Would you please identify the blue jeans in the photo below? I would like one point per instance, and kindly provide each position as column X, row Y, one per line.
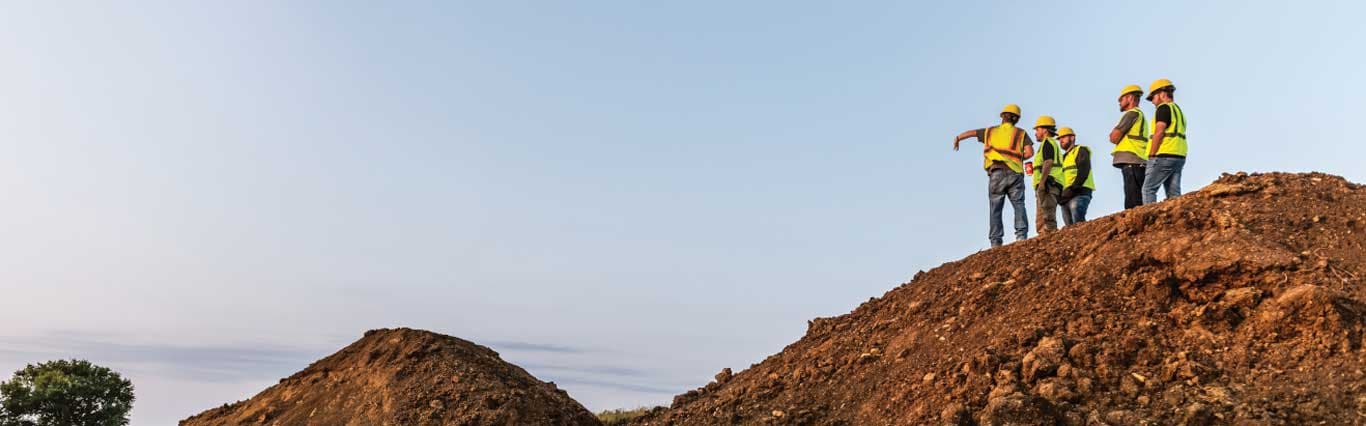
column 1074, row 209
column 1003, row 183
column 1164, row 172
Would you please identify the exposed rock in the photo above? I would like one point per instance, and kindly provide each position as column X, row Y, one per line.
column 1018, row 410
column 1044, row 360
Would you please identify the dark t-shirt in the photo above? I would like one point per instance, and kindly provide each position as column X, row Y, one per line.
column 1163, row 115
column 1048, row 154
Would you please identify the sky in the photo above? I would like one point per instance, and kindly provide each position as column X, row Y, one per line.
column 622, row 197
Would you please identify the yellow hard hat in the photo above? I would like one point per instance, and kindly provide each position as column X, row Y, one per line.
column 1045, row 121
column 1132, row 88
column 1012, row 108
column 1065, row 131
column 1160, row 84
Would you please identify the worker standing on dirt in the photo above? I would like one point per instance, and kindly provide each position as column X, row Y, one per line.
column 1047, row 171
column 1167, row 152
column 1004, row 149
column 1077, row 180
column 1130, row 137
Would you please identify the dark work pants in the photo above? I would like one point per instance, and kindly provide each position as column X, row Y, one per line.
column 1133, row 184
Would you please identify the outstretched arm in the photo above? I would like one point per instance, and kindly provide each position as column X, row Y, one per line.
column 965, row 135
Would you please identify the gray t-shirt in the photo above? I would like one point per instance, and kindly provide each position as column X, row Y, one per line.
column 1125, row 123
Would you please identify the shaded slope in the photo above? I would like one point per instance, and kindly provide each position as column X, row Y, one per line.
column 406, row 377
column 1240, row 303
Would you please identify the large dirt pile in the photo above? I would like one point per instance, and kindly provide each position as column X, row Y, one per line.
column 406, row 377
column 1243, row 303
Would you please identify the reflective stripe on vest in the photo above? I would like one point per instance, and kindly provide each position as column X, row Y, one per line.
column 1056, row 171
column 1135, row 140
column 1004, row 143
column 1069, row 169
column 1174, row 139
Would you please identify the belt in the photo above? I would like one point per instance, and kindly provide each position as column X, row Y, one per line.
column 1179, row 135
column 1138, row 138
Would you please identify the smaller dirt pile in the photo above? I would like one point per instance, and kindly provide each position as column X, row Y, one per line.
column 406, row 377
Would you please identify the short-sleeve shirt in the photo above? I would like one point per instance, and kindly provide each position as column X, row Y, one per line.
column 1163, row 114
column 1125, row 123
column 982, row 136
column 1048, row 154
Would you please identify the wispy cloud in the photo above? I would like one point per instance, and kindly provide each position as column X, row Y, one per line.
column 200, row 363
column 615, row 385
column 516, row 346
column 572, row 366
column 588, row 370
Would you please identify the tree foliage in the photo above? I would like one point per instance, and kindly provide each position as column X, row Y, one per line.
column 65, row 393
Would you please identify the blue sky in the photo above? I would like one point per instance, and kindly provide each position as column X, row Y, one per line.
column 623, row 197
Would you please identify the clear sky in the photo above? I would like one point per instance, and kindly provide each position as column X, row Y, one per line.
column 623, row 197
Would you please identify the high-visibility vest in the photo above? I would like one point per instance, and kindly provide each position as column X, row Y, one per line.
column 1069, row 169
column 1056, row 171
column 1135, row 140
column 1004, row 143
column 1174, row 141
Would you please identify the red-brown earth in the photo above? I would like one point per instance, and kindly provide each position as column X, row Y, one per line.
column 1242, row 303
column 406, row 377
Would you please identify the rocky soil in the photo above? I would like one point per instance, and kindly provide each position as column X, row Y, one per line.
column 1242, row 303
column 406, row 377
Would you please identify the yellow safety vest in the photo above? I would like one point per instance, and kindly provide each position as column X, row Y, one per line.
column 1069, row 169
column 1056, row 171
column 1174, row 141
column 1004, row 143
column 1135, row 140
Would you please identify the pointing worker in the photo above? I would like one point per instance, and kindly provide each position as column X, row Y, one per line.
column 1167, row 152
column 1047, row 171
column 1130, row 137
column 1077, row 180
column 1004, row 148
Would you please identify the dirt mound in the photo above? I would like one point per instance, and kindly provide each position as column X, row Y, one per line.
column 1238, row 304
column 406, row 377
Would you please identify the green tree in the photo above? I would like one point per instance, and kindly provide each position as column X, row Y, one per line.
column 65, row 393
